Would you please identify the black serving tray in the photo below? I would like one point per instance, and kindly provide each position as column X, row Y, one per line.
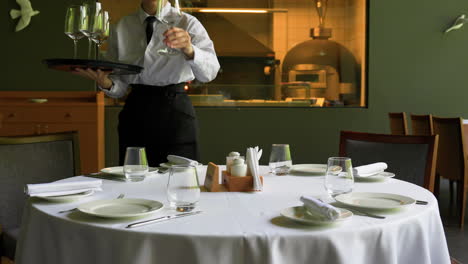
column 72, row 64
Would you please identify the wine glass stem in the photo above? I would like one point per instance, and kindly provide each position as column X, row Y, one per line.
column 75, row 48
column 90, row 47
column 98, row 51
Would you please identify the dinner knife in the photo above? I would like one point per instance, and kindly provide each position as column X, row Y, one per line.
column 161, row 219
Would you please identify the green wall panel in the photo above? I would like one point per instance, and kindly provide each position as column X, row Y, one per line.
column 24, row 51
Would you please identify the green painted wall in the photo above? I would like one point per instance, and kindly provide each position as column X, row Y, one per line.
column 413, row 67
column 24, row 51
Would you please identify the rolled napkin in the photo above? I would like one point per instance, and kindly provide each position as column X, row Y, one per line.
column 179, row 160
column 62, row 188
column 370, row 169
column 320, row 209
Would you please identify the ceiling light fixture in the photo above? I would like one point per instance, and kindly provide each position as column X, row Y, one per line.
column 236, row 10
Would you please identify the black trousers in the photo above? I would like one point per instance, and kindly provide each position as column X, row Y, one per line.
column 161, row 119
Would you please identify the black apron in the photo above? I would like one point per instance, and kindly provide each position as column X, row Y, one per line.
column 161, row 119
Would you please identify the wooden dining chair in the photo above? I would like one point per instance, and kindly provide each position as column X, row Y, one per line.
column 25, row 160
column 452, row 162
column 411, row 158
column 398, row 124
column 421, row 125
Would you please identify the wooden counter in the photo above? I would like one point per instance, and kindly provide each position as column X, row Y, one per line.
column 35, row 113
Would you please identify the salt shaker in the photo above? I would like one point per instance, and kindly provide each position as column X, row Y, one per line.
column 238, row 168
column 233, row 155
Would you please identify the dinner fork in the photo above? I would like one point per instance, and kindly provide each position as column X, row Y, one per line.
column 73, row 209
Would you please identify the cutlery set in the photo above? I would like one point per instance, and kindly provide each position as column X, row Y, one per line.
column 161, row 219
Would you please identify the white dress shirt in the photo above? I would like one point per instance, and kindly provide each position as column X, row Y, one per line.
column 127, row 44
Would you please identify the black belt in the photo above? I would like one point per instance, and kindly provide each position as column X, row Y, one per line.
column 168, row 90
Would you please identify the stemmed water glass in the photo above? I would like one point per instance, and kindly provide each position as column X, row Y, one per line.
column 72, row 26
column 89, row 15
column 100, row 29
column 168, row 23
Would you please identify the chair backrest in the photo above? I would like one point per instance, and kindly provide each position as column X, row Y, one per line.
column 411, row 158
column 33, row 159
column 421, row 125
column 398, row 124
column 452, row 154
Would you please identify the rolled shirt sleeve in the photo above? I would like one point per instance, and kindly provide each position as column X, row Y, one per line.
column 205, row 65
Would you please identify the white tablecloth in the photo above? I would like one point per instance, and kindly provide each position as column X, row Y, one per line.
column 234, row 228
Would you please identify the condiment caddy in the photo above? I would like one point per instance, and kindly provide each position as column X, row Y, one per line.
column 237, row 176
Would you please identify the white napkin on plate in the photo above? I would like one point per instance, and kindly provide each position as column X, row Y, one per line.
column 370, row 169
column 321, row 209
column 62, row 188
column 179, row 160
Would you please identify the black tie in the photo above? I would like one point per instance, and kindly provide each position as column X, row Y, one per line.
column 149, row 28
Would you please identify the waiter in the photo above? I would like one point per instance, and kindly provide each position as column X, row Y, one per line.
column 158, row 114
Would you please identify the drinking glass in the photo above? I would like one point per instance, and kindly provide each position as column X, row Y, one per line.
column 72, row 26
column 339, row 178
column 183, row 190
column 89, row 15
column 135, row 164
column 100, row 29
column 280, row 159
column 169, row 22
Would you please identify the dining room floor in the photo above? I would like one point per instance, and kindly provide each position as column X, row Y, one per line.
column 457, row 239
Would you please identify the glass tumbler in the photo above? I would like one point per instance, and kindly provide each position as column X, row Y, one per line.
column 339, row 178
column 280, row 159
column 135, row 164
column 183, row 190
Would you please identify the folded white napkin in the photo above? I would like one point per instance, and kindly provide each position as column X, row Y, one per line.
column 370, row 169
column 320, row 209
column 179, row 160
column 62, row 188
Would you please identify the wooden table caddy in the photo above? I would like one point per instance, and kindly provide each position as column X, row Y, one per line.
column 229, row 183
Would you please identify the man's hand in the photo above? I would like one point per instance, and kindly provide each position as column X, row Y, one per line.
column 101, row 78
column 178, row 38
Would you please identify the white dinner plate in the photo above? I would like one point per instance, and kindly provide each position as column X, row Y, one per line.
column 379, row 201
column 312, row 169
column 68, row 197
column 121, row 208
column 381, row 176
column 119, row 170
column 299, row 214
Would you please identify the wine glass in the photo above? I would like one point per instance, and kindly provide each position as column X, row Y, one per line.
column 339, row 178
column 100, row 29
column 72, row 26
column 135, row 164
column 183, row 190
column 89, row 14
column 169, row 23
column 280, row 159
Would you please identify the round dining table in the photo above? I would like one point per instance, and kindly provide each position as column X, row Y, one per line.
column 234, row 227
